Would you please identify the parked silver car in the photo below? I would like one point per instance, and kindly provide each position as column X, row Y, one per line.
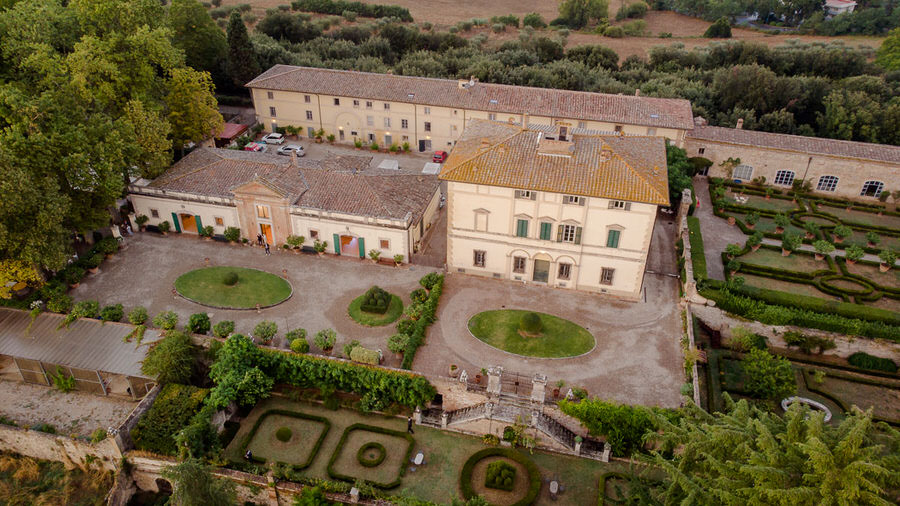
column 286, row 150
column 273, row 138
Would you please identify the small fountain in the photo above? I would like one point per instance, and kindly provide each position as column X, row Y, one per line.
column 786, row 403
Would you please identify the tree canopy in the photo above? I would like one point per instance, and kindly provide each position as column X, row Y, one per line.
column 85, row 103
column 194, row 485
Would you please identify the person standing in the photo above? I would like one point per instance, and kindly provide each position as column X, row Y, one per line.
column 409, row 423
column 259, row 240
column 267, row 249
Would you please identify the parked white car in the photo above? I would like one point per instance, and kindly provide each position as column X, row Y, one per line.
column 273, row 138
column 286, row 150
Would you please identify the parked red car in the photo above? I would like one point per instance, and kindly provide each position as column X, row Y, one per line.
column 439, row 157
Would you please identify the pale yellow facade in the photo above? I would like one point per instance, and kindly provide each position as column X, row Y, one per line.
column 573, row 246
column 425, row 128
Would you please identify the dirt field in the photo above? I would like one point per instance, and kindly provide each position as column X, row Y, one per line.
column 684, row 29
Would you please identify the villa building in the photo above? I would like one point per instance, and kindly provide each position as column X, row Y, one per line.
column 431, row 114
column 856, row 170
column 541, row 205
column 340, row 200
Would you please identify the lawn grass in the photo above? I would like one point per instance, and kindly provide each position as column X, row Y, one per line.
column 872, row 219
column 445, row 453
column 794, row 262
column 755, row 202
column 767, row 225
column 394, row 310
column 559, row 338
column 388, row 471
column 885, row 402
column 296, row 451
column 859, row 238
column 784, row 286
column 889, row 279
column 207, row 286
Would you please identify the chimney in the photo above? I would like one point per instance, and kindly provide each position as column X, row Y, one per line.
column 637, row 92
column 740, row 124
column 525, row 120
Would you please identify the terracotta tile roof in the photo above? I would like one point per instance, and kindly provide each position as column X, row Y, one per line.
column 810, row 145
column 338, row 183
column 579, row 105
column 618, row 167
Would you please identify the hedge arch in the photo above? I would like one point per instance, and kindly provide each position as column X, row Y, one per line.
column 534, row 474
column 373, row 462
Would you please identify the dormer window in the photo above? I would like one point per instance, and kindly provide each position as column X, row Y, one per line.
column 526, row 194
column 620, row 204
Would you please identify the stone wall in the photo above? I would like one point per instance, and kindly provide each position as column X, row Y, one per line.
column 73, row 453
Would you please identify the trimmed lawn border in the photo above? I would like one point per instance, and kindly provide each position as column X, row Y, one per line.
column 602, row 499
column 293, row 414
column 698, row 257
column 394, row 311
column 235, row 268
column 365, row 462
column 497, row 332
column 534, row 474
column 379, row 430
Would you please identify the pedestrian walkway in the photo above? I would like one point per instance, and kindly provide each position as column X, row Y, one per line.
column 717, row 233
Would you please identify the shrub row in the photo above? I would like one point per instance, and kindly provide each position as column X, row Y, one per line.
column 171, row 411
column 534, row 475
column 366, row 462
column 361, row 9
column 379, row 430
column 434, row 283
column 698, row 258
column 293, row 414
column 865, row 361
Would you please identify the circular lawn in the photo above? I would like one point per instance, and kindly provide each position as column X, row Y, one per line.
column 211, row 286
column 557, row 337
column 394, row 310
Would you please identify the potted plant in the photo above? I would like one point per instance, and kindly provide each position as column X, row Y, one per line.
column 751, row 220
column 73, row 275
column 325, row 340
column 754, row 241
column 373, row 146
column 295, row 242
column 454, row 370
column 93, row 262
column 769, row 192
column 397, row 343
column 733, row 250
column 320, row 247
column 812, row 229
column 883, row 198
column 872, row 239
column 164, row 228
column 822, row 248
column 841, row 232
column 731, row 220
column 888, row 257
column 398, row 259
column 405, row 147
column 374, row 254
column 781, row 222
column 244, row 241
column 319, row 134
column 732, row 267
column 265, row 331
column 789, row 242
column 853, row 253
column 208, row 232
column 358, row 144
column 559, row 385
column 330, row 138
column 141, row 221
column 720, row 204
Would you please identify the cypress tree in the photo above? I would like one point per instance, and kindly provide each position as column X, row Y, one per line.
column 242, row 65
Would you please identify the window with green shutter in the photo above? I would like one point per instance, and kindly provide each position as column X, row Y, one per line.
column 546, row 230
column 522, row 228
column 612, row 239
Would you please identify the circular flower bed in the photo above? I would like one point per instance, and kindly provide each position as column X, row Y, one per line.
column 534, row 475
column 233, row 287
column 371, row 454
column 531, row 334
column 284, row 434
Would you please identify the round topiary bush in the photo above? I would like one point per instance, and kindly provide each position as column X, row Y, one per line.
column 284, row 434
column 534, row 474
column 531, row 323
column 231, row 278
column 371, row 454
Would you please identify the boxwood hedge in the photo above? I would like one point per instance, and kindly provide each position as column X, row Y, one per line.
column 293, row 414
column 380, row 430
column 865, row 361
column 698, row 258
column 534, row 475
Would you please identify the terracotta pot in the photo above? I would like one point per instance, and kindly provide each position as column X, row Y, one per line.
column 838, row 240
column 454, row 371
column 478, row 378
column 555, row 392
column 328, row 351
column 779, row 230
column 883, row 267
column 751, row 226
column 850, row 262
column 785, row 252
column 94, row 270
column 320, row 253
column 731, row 220
column 870, row 244
column 819, row 256
column 74, row 285
column 768, row 197
column 754, row 248
column 165, row 233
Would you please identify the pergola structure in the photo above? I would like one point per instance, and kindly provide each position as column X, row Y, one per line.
column 90, row 351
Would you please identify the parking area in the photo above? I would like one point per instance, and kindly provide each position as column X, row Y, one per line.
column 412, row 160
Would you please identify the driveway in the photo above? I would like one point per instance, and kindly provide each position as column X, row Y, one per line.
column 717, row 233
column 144, row 273
column 637, row 358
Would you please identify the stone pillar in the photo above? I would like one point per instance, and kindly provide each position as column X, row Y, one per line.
column 489, row 410
column 417, row 416
column 683, row 208
column 534, row 418
column 577, row 446
column 445, row 418
column 538, row 388
column 354, row 495
column 464, row 378
column 493, row 386
column 273, row 492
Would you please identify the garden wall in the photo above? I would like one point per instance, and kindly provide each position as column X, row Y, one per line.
column 71, row 452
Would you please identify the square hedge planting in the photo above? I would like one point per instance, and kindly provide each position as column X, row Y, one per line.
column 266, row 420
column 394, row 441
column 500, row 475
column 376, row 300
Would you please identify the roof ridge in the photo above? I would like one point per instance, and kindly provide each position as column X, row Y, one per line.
column 481, row 152
column 290, row 69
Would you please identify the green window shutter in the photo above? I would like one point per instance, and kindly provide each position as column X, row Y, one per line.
column 175, row 223
column 577, row 235
column 362, row 248
column 522, row 228
column 612, row 240
column 337, row 243
column 559, row 233
column 546, row 231
column 199, row 223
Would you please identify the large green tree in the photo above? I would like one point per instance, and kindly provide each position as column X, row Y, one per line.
column 171, row 359
column 747, row 456
column 889, row 52
column 241, row 65
column 195, row 33
column 83, row 106
column 194, row 485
